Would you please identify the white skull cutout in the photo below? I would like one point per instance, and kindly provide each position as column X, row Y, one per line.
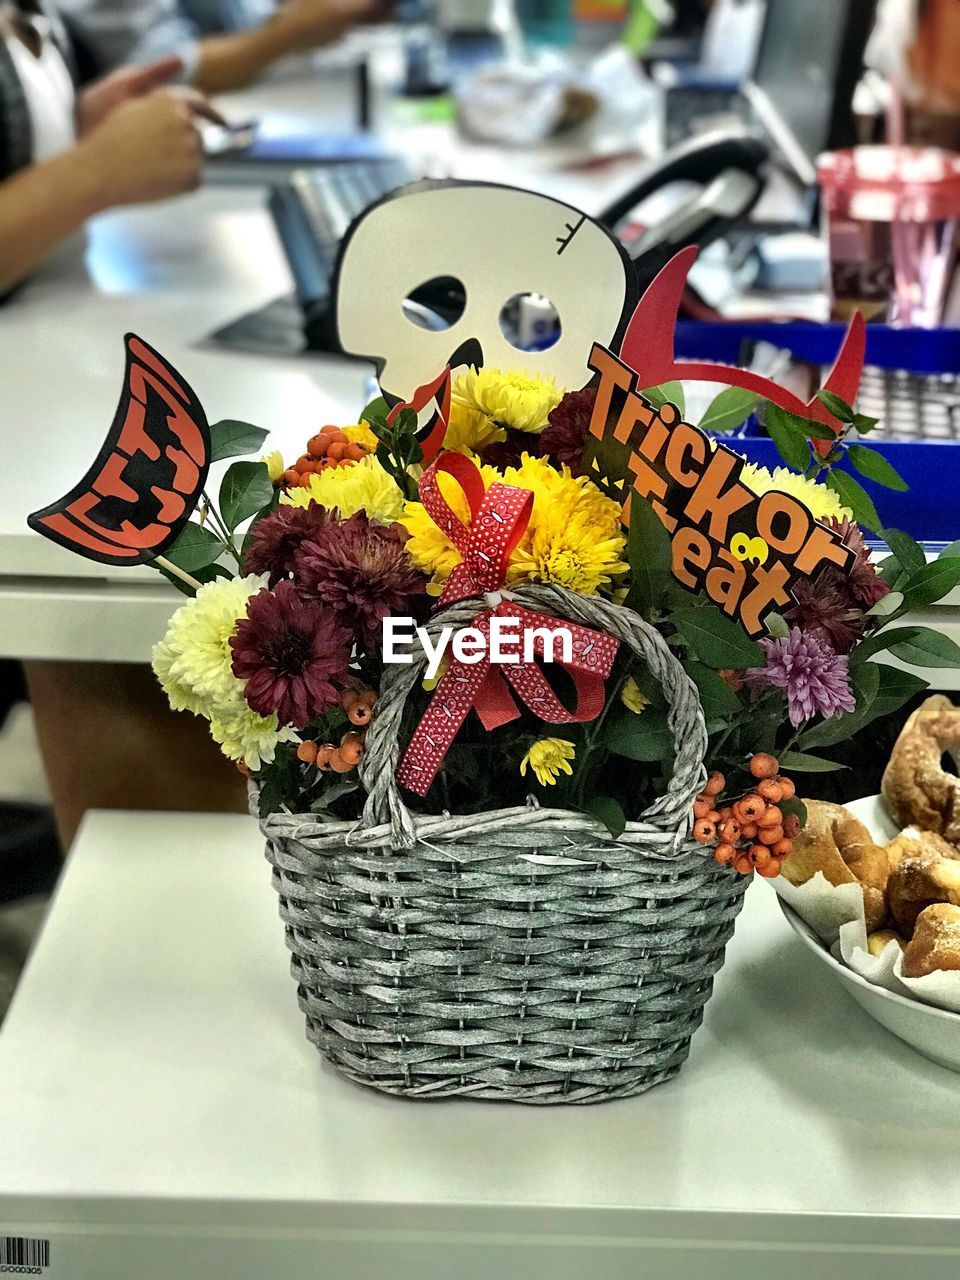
column 499, row 242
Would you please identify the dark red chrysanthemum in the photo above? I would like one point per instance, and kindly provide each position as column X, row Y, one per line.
column 509, row 452
column 362, row 572
column 292, row 654
column 275, row 540
column 865, row 584
column 567, row 427
column 825, row 607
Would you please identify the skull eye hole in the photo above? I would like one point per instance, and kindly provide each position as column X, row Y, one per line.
column 437, row 304
column 530, row 322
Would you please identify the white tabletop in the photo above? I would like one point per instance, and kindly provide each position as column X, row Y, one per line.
column 158, row 1101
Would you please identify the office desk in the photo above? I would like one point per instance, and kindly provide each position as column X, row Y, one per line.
column 171, row 273
column 162, row 1115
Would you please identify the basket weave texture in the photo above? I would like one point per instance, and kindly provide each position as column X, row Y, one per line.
column 520, row 954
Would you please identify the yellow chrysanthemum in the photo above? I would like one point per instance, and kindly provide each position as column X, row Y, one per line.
column 363, row 487
column 470, row 430
column 361, row 434
column 513, row 398
column 633, row 697
column 194, row 656
column 548, row 758
column 821, row 502
column 574, row 538
column 275, row 467
column 428, row 546
column 245, row 735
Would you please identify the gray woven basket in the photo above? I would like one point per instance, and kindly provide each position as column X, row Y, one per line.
column 521, row 954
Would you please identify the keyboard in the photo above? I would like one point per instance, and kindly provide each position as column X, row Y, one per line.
column 312, row 211
column 911, row 406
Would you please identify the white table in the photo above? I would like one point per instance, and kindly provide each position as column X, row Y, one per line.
column 162, row 1115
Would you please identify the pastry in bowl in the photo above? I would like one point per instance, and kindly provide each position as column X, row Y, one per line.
column 838, row 844
column 936, row 941
column 916, row 788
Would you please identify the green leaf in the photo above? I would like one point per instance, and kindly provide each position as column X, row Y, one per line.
column 896, row 688
column 646, row 737
column 717, row 699
column 776, row 625
column 880, row 642
column 909, row 553
column 717, row 640
column 207, row 574
column 926, row 648
column 245, row 489
column 875, row 467
column 794, row 805
column 865, row 682
column 729, row 410
column 668, row 393
column 606, row 810
column 888, row 605
column 194, row 548
column 931, row 583
column 650, row 556
column 800, row 762
column 228, row 438
column 853, row 495
column 863, row 424
column 951, row 549
column 807, row 427
column 839, row 408
column 790, row 440
column 376, row 411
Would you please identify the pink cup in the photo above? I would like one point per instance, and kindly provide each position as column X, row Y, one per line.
column 891, row 217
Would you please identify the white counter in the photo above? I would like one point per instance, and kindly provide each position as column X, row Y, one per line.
column 162, row 1115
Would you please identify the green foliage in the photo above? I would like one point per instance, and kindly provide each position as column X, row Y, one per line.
column 644, row 737
column 875, row 467
column 908, row 553
column 788, row 435
column 649, row 554
column 668, row 393
column 229, row 438
column 206, row 574
column 801, row 762
column 853, row 495
column 839, row 408
column 244, row 491
column 729, row 410
column 717, row 640
column 194, row 548
column 608, row 811
column 931, row 583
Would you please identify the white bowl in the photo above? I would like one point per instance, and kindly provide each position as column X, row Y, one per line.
column 933, row 1032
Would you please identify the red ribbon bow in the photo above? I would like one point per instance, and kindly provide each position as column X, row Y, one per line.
column 499, row 518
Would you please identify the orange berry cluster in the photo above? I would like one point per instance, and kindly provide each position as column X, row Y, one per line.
column 358, row 705
column 752, row 833
column 328, row 448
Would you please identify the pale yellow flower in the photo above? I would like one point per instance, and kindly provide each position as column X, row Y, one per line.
column 513, row 398
column 274, row 464
column 245, row 735
column 548, row 758
column 633, row 697
column 363, row 487
column 821, row 502
column 180, row 696
column 195, row 655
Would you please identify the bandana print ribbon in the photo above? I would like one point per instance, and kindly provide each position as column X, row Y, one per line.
column 499, row 518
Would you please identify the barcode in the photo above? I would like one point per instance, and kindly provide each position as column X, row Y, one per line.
column 18, row 1251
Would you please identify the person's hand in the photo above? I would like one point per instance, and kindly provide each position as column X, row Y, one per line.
column 308, row 23
column 106, row 94
column 148, row 148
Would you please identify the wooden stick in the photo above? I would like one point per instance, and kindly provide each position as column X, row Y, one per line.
column 177, row 572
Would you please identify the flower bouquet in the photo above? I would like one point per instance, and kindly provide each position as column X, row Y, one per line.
column 522, row 667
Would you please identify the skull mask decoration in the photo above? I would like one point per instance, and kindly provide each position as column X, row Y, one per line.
column 497, row 242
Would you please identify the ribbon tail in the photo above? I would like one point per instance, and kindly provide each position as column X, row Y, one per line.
column 495, row 705
column 446, row 712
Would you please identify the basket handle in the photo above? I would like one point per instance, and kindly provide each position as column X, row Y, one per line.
column 685, row 716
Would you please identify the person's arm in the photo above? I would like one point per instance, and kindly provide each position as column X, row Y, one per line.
column 145, row 150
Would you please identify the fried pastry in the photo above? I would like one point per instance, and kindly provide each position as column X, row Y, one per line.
column 838, row 844
column 921, row 882
column 918, row 791
column 936, row 941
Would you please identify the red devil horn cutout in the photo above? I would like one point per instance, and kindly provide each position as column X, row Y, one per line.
column 648, row 347
column 148, row 476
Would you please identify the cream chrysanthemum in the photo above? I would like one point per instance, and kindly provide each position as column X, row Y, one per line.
column 512, row 399
column 195, row 654
column 821, row 502
column 363, row 487
column 548, row 758
column 180, row 696
column 245, row 735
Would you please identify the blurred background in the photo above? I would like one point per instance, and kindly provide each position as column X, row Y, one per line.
column 187, row 169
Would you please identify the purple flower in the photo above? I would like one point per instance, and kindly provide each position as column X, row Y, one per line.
column 804, row 668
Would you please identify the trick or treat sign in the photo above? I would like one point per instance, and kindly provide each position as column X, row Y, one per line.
column 746, row 552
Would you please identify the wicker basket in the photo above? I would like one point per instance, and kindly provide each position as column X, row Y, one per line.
column 521, row 954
